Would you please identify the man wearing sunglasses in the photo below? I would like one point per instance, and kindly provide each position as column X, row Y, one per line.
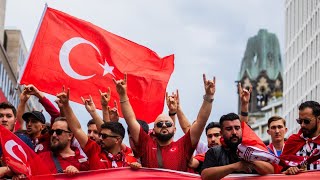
column 35, row 120
column 307, row 139
column 106, row 154
column 162, row 151
column 63, row 158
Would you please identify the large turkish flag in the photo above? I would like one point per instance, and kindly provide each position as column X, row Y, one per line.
column 83, row 57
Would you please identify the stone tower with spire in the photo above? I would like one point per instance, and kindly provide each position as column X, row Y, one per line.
column 261, row 68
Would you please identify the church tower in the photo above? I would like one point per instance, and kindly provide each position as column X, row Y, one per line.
column 261, row 68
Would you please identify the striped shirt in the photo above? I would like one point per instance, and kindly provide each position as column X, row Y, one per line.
column 306, row 150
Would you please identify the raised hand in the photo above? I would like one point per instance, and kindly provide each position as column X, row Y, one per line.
column 121, row 85
column 24, row 96
column 63, row 97
column 113, row 112
column 32, row 90
column 244, row 94
column 105, row 97
column 89, row 104
column 209, row 86
column 172, row 101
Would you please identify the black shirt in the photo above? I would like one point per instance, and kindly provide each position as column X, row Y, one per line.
column 219, row 156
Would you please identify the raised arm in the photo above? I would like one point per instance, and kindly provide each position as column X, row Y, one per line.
column 244, row 96
column 24, row 96
column 46, row 103
column 73, row 122
column 173, row 103
column 91, row 108
column 205, row 110
column 126, row 108
column 104, row 99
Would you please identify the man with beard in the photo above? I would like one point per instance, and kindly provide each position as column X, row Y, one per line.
column 277, row 130
column 63, row 158
column 307, row 139
column 107, row 153
column 162, row 151
column 223, row 160
column 35, row 120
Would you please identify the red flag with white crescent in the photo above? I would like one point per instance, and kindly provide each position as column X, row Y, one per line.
column 19, row 157
column 85, row 58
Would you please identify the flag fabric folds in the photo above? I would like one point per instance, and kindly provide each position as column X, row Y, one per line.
column 19, row 157
column 85, row 58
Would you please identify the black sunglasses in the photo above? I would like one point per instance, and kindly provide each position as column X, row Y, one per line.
column 306, row 121
column 104, row 136
column 160, row 124
column 58, row 131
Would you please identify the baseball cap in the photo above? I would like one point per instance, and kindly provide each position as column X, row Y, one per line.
column 37, row 114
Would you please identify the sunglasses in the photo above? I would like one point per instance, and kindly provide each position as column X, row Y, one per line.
column 160, row 124
column 104, row 136
column 58, row 131
column 306, row 121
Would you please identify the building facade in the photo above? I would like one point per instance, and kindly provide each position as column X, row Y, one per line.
column 302, row 54
column 13, row 53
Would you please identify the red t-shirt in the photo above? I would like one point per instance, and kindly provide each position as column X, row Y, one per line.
column 77, row 161
column 98, row 159
column 175, row 156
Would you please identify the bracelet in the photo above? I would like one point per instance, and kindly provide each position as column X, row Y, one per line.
column 124, row 100
column 208, row 98
column 172, row 114
column 244, row 113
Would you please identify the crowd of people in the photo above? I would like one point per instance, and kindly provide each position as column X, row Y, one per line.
column 67, row 148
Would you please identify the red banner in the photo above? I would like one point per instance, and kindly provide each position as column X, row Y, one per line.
column 160, row 174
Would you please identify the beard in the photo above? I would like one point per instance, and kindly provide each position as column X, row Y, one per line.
column 233, row 145
column 308, row 133
column 164, row 137
column 58, row 147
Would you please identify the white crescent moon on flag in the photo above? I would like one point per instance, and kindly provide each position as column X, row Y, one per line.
column 9, row 145
column 64, row 56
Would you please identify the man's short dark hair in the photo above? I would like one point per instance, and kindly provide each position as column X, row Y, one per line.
column 212, row 125
column 115, row 127
column 64, row 119
column 144, row 126
column 276, row 118
column 315, row 106
column 7, row 105
column 91, row 121
column 228, row 117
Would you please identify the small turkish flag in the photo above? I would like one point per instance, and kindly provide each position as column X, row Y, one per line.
column 83, row 57
column 19, row 157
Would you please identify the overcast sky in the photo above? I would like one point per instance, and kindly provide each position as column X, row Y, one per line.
column 206, row 36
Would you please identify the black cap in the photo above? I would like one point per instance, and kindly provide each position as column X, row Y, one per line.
column 37, row 114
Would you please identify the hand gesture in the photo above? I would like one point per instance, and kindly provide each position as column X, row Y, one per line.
column 89, row 104
column 105, row 97
column 172, row 101
column 63, row 97
column 113, row 112
column 244, row 94
column 121, row 85
column 32, row 90
column 24, row 96
column 71, row 170
column 209, row 85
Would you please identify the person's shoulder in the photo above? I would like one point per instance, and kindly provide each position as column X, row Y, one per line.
column 215, row 150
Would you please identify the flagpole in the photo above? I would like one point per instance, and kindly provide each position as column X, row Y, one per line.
column 32, row 44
